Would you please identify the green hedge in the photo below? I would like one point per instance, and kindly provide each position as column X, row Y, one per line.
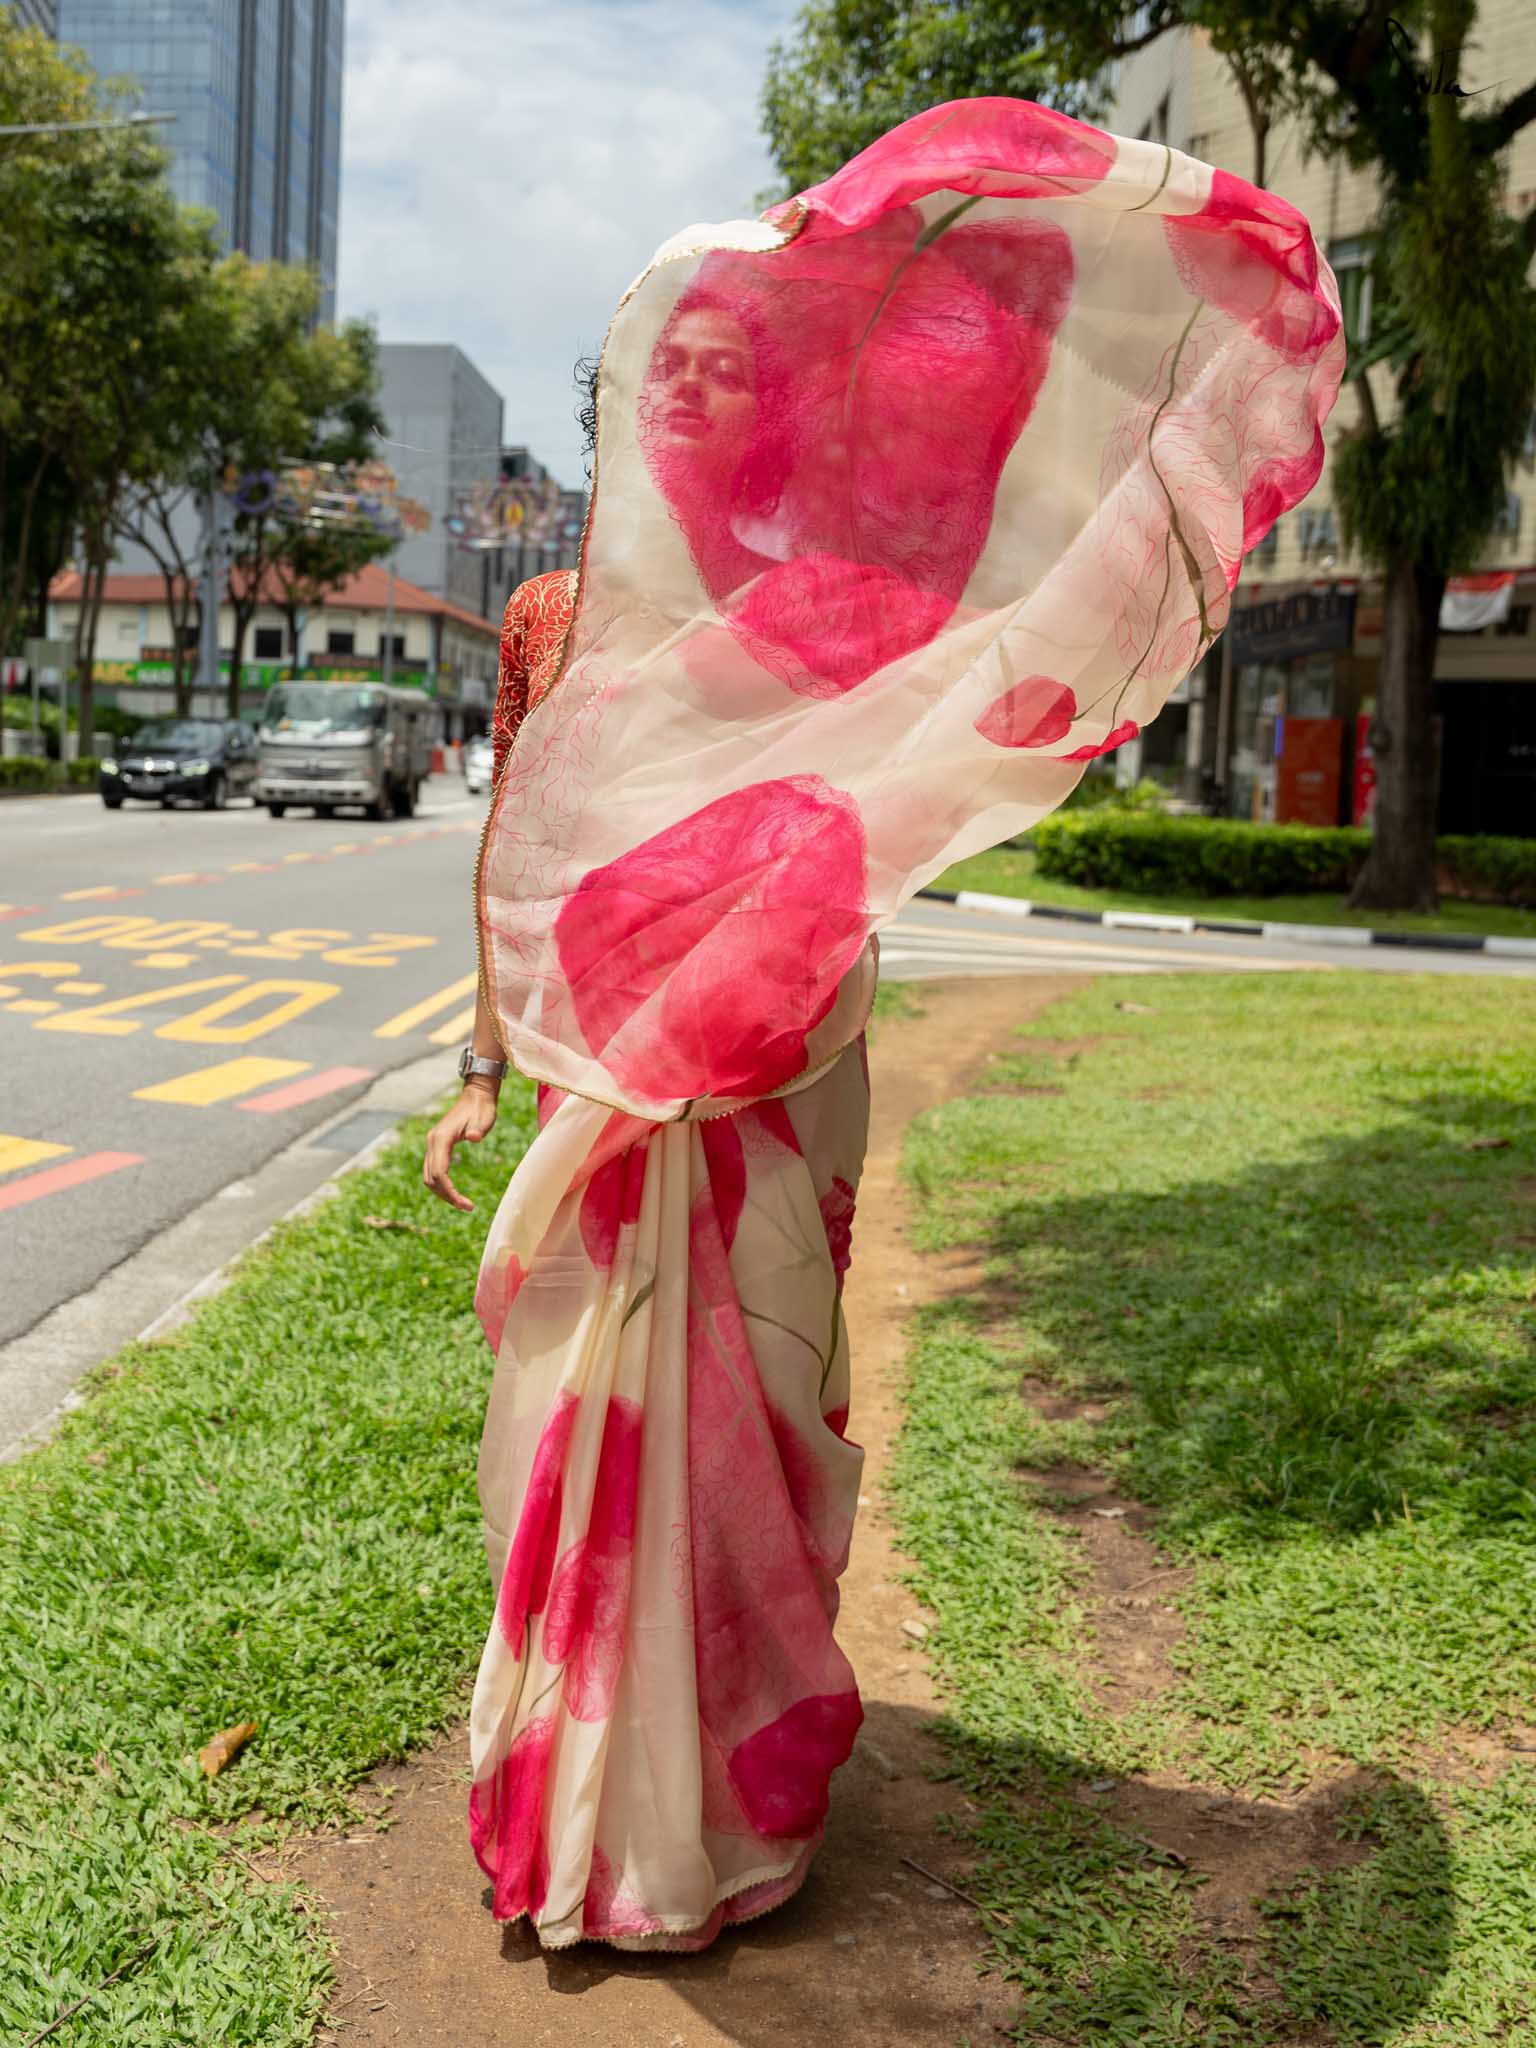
column 1147, row 855
column 31, row 771
column 1152, row 856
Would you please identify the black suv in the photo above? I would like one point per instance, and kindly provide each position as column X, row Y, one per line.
column 206, row 760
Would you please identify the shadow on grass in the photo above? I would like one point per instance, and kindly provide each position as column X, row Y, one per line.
column 1338, row 1340
column 1102, row 1932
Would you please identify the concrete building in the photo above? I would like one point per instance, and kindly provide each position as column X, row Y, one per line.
column 1300, row 655
column 255, row 86
column 444, row 649
column 443, row 442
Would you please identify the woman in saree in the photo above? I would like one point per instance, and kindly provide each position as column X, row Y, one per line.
column 909, row 500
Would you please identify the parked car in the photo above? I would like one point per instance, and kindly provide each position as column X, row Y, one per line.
column 479, row 765
column 329, row 745
column 196, row 760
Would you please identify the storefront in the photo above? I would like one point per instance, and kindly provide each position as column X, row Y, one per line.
column 1290, row 700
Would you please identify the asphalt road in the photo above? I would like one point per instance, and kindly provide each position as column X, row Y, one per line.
column 183, row 994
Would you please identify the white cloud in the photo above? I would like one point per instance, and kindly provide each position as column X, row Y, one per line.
column 507, row 169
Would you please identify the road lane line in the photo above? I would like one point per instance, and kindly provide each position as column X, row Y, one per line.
column 433, row 1006
column 18, row 1152
column 79, row 988
column 253, row 867
column 206, row 1085
column 54, row 1180
column 296, row 1092
column 456, row 1031
column 10, row 910
column 105, row 1020
column 108, row 892
column 33, row 1006
column 188, row 876
column 1091, row 950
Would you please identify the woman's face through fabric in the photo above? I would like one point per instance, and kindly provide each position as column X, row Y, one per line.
column 700, row 400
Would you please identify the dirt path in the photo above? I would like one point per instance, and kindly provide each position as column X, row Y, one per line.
column 871, row 1951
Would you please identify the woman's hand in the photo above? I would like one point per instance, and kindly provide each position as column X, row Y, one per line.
column 470, row 1118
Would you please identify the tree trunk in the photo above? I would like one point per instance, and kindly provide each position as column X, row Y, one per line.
column 1399, row 873
column 92, row 592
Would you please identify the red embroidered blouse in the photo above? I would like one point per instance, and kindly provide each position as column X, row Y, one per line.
column 533, row 631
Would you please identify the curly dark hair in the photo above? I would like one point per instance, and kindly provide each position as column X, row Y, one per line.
column 586, row 409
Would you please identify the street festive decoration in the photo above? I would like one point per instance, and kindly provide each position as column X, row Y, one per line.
column 506, row 511
column 912, row 498
column 328, row 494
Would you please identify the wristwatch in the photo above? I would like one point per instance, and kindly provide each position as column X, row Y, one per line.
column 471, row 1062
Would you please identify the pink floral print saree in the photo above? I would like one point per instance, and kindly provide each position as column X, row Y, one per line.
column 911, row 498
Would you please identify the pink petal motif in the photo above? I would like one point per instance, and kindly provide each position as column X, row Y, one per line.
column 587, row 1623
column 525, row 1582
column 1123, row 732
column 495, row 1292
column 1035, row 713
column 881, row 506
column 727, row 1164
column 668, row 948
column 1252, row 254
column 611, row 1201
column 837, row 1207
column 612, row 1906
column 781, row 1772
column 774, row 1119
column 998, row 148
column 836, row 1420
column 822, row 625
column 506, row 1826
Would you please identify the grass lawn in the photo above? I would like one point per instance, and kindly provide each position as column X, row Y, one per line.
column 270, row 1517
column 1263, row 1255
column 1010, row 871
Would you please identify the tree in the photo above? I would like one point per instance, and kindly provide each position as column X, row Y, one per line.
column 318, row 403
column 1418, row 485
column 99, row 272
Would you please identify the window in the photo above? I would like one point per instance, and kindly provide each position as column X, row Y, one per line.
column 1507, row 525
column 1351, row 261
column 269, row 643
column 394, row 643
column 1266, row 549
column 1318, row 531
column 338, row 642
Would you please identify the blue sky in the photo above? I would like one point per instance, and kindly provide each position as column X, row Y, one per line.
column 508, row 167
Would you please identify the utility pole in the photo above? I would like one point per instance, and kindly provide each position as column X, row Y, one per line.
column 389, row 626
column 213, row 590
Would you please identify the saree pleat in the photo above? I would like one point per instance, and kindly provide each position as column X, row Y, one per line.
column 661, row 1702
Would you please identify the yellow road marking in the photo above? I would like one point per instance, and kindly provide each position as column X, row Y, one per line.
column 80, row 988
column 106, row 1020
column 166, row 960
column 84, row 895
column 19, row 1152
column 217, row 1084
column 206, row 1026
column 189, row 876
column 457, row 1031
column 433, row 1006
column 33, row 1006
column 346, row 846
column 249, row 867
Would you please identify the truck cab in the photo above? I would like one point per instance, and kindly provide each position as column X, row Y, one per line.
column 328, row 746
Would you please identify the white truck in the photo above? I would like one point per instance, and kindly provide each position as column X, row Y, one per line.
column 325, row 746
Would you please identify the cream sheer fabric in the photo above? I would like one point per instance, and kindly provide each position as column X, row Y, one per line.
column 910, row 500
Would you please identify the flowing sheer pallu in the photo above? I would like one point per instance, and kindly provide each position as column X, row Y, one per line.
column 910, row 499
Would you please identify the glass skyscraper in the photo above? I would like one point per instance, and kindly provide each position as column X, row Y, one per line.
column 255, row 86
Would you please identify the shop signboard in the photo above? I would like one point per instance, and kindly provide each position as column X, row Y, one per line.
column 1305, row 622
column 1309, row 760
